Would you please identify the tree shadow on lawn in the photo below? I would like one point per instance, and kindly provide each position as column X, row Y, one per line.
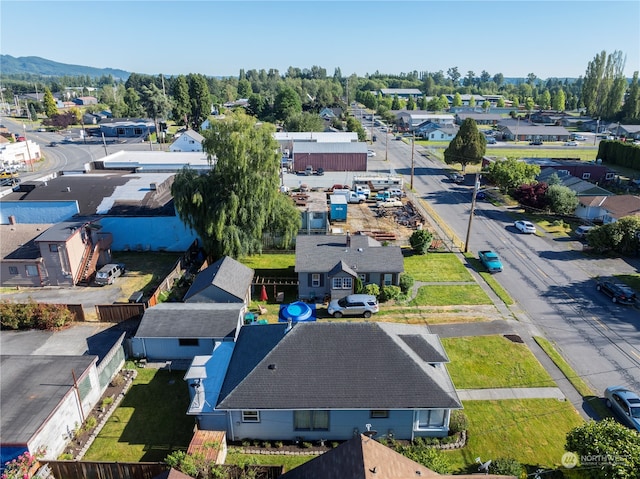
column 159, row 420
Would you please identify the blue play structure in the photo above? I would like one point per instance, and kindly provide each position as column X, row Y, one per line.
column 297, row 312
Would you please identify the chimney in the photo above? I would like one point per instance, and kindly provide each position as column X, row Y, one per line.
column 12, row 220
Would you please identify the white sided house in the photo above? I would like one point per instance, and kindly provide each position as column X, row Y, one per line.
column 190, row 140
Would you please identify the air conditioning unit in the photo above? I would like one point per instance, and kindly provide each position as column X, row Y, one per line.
column 153, row 186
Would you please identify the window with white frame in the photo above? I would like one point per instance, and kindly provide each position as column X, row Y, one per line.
column 388, row 279
column 315, row 280
column 609, row 176
column 311, row 420
column 430, row 418
column 586, row 176
column 31, row 270
column 363, row 277
column 342, row 283
column 250, row 416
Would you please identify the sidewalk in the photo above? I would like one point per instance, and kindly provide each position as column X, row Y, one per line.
column 510, row 393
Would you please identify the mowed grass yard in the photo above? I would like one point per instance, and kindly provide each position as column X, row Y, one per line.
column 151, row 421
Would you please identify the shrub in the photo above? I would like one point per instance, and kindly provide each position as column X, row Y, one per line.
column 406, row 283
column 32, row 315
column 458, row 422
column 389, row 292
column 506, row 466
column 266, row 444
column 279, row 444
column 307, row 445
column 420, row 241
column 373, row 289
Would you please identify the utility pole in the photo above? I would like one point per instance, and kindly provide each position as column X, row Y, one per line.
column 413, row 143
column 471, row 213
column 386, row 145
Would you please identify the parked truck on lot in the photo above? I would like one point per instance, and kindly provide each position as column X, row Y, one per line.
column 351, row 196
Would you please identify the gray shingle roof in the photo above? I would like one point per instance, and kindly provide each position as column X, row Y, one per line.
column 320, row 253
column 336, row 366
column 18, row 241
column 190, row 320
column 227, row 274
column 32, row 387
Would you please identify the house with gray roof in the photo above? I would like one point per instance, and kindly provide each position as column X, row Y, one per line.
column 405, row 93
column 409, row 120
column 479, row 118
column 329, row 265
column 312, row 381
column 435, row 132
column 607, row 209
column 44, row 399
column 524, row 131
column 175, row 331
column 189, row 140
column 225, row 281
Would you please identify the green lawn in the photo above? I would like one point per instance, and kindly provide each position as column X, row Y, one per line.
column 584, row 154
column 276, row 261
column 150, row 422
column 532, row 431
column 442, row 295
column 436, row 267
column 479, row 362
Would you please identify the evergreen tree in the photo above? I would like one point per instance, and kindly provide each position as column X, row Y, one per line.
column 468, row 146
column 200, row 100
column 181, row 101
column 50, row 107
column 631, row 108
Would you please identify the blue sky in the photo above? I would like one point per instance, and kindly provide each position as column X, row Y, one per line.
column 546, row 37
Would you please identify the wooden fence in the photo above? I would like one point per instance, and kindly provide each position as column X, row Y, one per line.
column 147, row 470
column 117, row 313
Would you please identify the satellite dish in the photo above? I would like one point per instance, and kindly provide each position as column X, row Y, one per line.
column 370, row 433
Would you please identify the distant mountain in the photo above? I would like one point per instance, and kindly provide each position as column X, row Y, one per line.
column 40, row 66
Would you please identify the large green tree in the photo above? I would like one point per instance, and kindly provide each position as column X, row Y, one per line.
column 620, row 236
column 304, row 121
column 604, row 84
column 631, row 107
column 468, row 146
column 511, row 173
column 562, row 200
column 613, row 449
column 50, row 107
column 287, row 102
column 200, row 100
column 181, row 101
column 232, row 205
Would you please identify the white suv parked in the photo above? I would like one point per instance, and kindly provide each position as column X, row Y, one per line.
column 354, row 304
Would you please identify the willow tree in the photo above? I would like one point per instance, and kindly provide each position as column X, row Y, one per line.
column 231, row 205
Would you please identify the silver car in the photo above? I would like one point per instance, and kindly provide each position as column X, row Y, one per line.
column 626, row 405
column 354, row 305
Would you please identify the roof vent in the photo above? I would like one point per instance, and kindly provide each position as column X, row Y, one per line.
column 271, row 366
column 68, row 189
column 153, row 186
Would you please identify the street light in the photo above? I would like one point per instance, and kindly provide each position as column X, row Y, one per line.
column 476, row 186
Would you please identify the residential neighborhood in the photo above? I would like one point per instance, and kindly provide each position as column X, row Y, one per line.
column 305, row 277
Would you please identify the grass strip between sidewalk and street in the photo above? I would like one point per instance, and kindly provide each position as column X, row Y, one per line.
column 489, row 279
column 576, row 381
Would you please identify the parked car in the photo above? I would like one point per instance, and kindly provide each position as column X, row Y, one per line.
column 109, row 272
column 456, row 178
column 626, row 405
column 525, row 226
column 490, row 260
column 571, row 143
column 371, row 153
column 581, row 231
column 491, row 140
column 579, row 138
column 619, row 293
column 396, row 193
column 354, row 305
column 53, row 143
column 389, row 203
column 536, row 142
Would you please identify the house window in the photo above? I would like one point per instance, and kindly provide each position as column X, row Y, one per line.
column 13, row 270
column 31, row 270
column 137, row 131
column 363, row 277
column 379, row 414
column 250, row 416
column 430, row 418
column 586, row 176
column 315, row 280
column 342, row 283
column 311, row 420
column 188, row 342
column 53, row 248
column 388, row 278
column 120, row 131
column 609, row 176
column 317, row 215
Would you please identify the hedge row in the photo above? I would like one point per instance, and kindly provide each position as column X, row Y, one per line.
column 620, row 153
column 32, row 315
